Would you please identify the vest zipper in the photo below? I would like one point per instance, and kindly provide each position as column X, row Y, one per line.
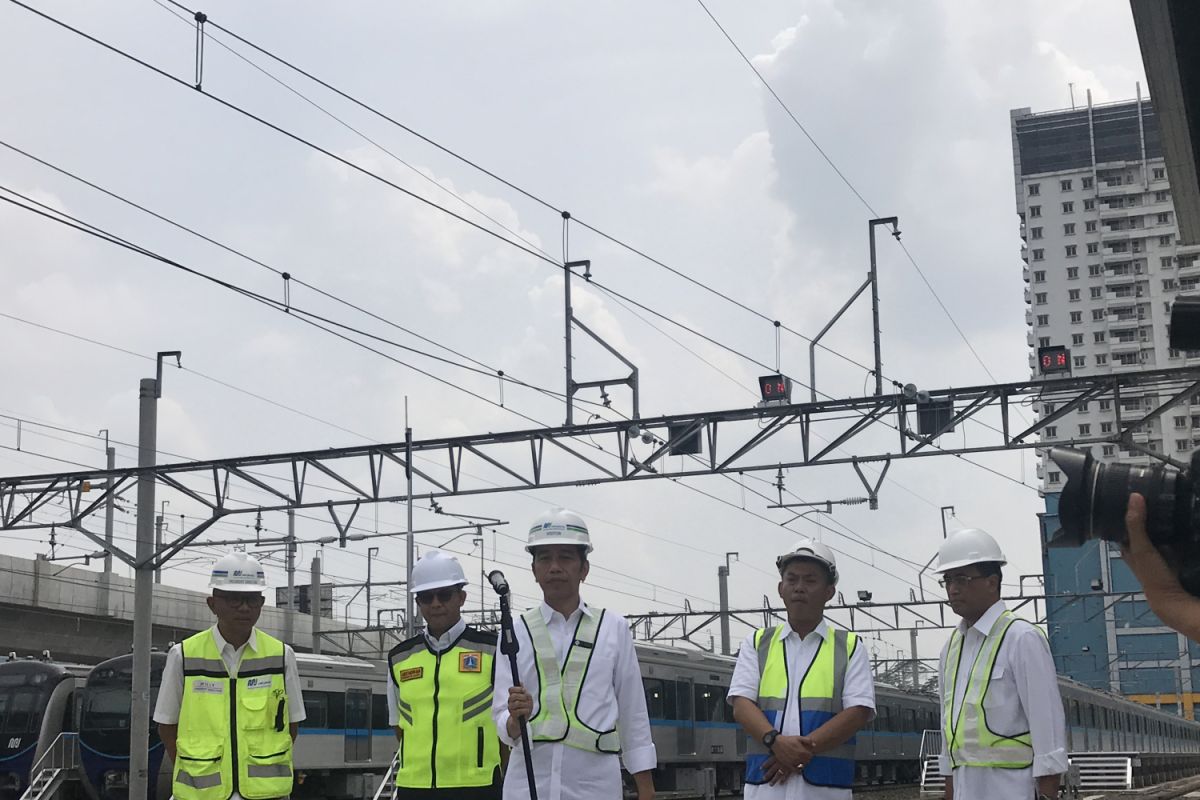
column 233, row 728
column 437, row 668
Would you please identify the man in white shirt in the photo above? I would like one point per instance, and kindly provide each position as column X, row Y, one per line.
column 194, row 710
column 581, row 689
column 802, row 690
column 1003, row 729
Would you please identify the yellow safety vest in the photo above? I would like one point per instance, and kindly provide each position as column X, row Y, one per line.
column 820, row 700
column 234, row 733
column 559, row 687
column 969, row 741
column 444, row 704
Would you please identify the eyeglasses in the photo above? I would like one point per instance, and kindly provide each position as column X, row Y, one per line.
column 959, row 580
column 240, row 599
column 442, row 595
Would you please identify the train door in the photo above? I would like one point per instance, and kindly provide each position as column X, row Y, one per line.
column 358, row 725
column 687, row 726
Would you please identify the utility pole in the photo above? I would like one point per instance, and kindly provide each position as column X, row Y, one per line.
column 873, row 278
column 916, row 665
column 723, row 589
column 314, row 604
column 371, row 553
column 478, row 540
column 411, row 545
column 149, row 390
column 289, row 615
column 158, row 538
column 110, row 507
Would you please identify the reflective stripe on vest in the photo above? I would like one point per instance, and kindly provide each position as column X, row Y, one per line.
column 969, row 741
column 557, row 717
column 443, row 702
column 234, row 734
column 820, row 700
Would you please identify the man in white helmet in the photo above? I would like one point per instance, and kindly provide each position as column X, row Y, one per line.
column 230, row 703
column 581, row 689
column 440, row 694
column 802, row 690
column 1003, row 729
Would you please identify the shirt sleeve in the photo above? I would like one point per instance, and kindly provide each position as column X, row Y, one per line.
column 859, row 687
column 744, row 682
column 633, row 720
column 1037, row 688
column 392, row 696
column 500, row 699
column 170, row 690
column 944, row 766
column 291, row 685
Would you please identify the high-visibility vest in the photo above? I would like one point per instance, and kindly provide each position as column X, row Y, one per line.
column 234, row 734
column 969, row 741
column 559, row 686
column 820, row 700
column 444, row 704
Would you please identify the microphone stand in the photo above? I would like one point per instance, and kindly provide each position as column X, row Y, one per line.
column 509, row 647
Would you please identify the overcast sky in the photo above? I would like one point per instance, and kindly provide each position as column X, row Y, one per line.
column 640, row 119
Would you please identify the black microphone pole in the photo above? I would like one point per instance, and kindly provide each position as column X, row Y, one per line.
column 509, row 647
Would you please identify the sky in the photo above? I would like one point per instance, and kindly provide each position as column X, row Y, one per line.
column 641, row 120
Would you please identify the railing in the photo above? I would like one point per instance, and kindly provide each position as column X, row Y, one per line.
column 387, row 786
column 63, row 753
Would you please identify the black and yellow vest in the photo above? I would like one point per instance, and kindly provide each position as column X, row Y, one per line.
column 234, row 733
column 444, row 705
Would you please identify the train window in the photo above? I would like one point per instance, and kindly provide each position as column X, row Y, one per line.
column 1075, row 713
column 3, row 710
column 910, row 719
column 316, row 705
column 656, row 698
column 709, row 700
column 379, row 712
column 20, row 710
column 883, row 718
column 683, row 697
column 105, row 709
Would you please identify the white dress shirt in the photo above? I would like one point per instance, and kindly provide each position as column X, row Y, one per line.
column 170, row 692
column 1023, row 696
column 857, row 690
column 438, row 644
column 612, row 696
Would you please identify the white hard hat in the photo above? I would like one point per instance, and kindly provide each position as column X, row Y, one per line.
column 558, row 526
column 435, row 570
column 966, row 547
column 813, row 550
column 238, row 572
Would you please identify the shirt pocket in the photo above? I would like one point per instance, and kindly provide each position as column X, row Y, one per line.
column 597, row 702
column 1002, row 690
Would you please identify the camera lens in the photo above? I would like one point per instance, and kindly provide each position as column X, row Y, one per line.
column 1092, row 505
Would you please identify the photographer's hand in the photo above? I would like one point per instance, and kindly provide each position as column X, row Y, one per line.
column 1168, row 599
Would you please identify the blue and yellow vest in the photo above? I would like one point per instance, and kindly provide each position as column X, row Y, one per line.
column 820, row 700
column 234, row 733
column 444, row 705
column 969, row 741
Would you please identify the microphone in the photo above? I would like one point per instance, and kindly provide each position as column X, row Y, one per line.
column 496, row 578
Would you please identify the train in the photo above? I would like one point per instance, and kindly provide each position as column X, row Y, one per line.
column 36, row 705
column 345, row 745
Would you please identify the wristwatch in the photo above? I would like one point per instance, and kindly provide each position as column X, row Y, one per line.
column 768, row 738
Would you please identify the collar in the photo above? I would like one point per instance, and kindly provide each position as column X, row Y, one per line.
column 252, row 642
column 548, row 612
column 984, row 624
column 440, row 643
column 821, row 630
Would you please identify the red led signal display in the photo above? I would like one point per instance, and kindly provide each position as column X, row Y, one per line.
column 775, row 388
column 1053, row 359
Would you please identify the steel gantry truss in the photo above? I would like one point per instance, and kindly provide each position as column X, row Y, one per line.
column 578, row 455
